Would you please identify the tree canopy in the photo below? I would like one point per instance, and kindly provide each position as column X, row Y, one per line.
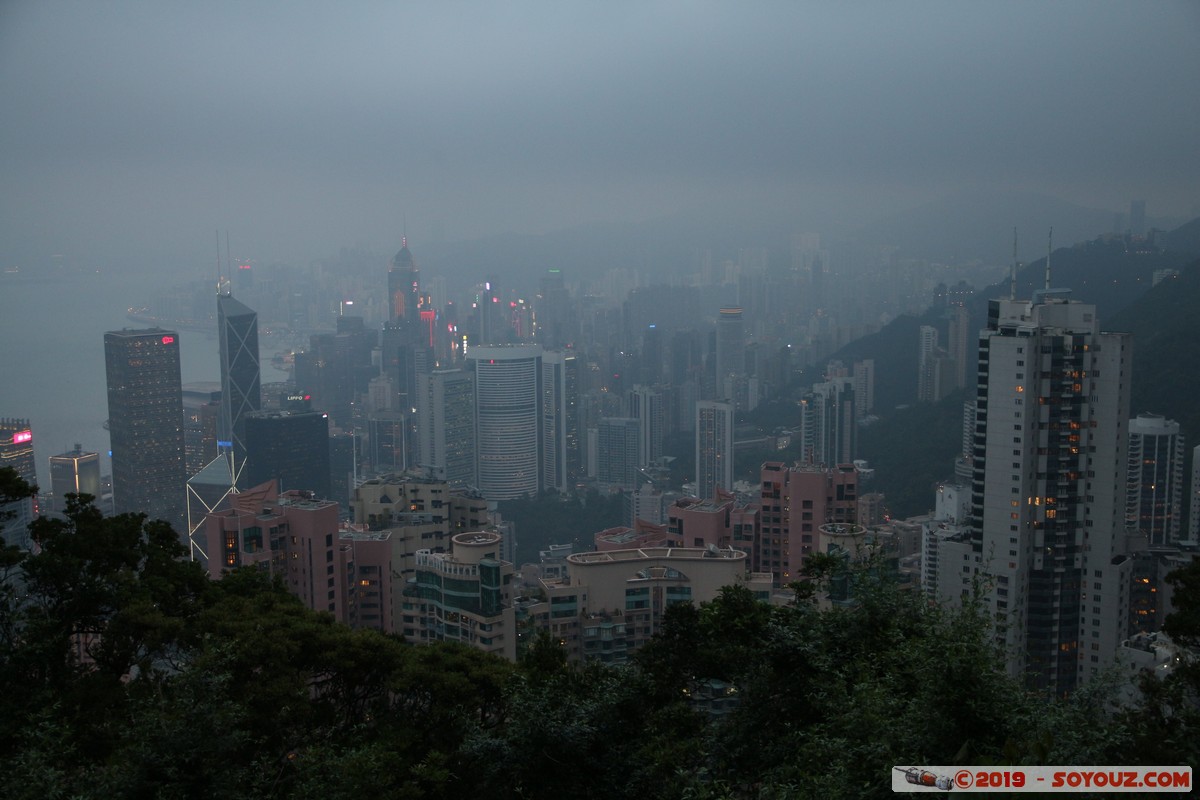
column 124, row 672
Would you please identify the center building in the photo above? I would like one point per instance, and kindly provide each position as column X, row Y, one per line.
column 508, row 420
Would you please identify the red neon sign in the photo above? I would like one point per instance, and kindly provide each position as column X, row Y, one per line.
column 168, row 340
column 22, row 436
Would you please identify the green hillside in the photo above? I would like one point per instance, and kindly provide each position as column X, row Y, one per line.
column 1166, row 377
column 913, row 447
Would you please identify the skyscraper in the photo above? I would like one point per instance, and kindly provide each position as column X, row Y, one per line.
column 731, row 345
column 556, row 324
column 1048, row 491
column 16, row 452
column 446, row 414
column 618, row 441
column 927, row 356
column 145, row 417
column 828, row 419
column 74, row 472
column 404, row 288
column 864, row 386
column 237, row 326
column 508, row 420
column 289, row 447
column 649, row 406
column 714, row 448
column 560, row 419
column 1154, row 498
column 960, row 341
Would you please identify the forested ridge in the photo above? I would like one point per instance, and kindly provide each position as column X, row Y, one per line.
column 125, row 672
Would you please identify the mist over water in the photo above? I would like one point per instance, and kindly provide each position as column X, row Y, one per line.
column 52, row 359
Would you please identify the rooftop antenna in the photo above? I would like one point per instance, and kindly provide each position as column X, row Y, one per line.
column 1012, row 289
column 218, row 233
column 1049, row 250
column 229, row 262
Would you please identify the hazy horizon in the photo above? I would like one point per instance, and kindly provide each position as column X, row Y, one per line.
column 135, row 129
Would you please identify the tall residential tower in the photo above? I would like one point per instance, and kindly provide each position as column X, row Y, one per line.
column 714, row 448
column 1048, row 490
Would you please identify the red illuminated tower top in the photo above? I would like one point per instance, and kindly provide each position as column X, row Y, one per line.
column 404, row 286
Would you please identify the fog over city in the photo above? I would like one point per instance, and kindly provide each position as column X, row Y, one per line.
column 647, row 400
column 133, row 130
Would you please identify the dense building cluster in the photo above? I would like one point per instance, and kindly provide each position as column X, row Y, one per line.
column 369, row 482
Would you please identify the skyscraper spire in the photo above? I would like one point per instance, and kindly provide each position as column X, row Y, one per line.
column 218, row 234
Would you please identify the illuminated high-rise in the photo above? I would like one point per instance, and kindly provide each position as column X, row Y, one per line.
column 16, row 452
column 404, row 288
column 74, row 472
column 145, row 417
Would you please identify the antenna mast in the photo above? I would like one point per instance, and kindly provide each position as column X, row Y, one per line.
column 1012, row 289
column 1049, row 250
column 218, row 233
column 229, row 262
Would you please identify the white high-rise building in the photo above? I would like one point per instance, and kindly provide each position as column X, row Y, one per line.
column 649, row 406
column 1154, row 499
column 1048, row 490
column 508, row 420
column 714, row 447
column 1194, row 503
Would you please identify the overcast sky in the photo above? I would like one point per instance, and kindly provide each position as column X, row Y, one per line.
column 305, row 126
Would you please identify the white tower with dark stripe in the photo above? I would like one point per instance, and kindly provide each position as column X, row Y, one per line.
column 508, row 420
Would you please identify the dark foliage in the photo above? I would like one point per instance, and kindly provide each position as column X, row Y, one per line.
column 125, row 673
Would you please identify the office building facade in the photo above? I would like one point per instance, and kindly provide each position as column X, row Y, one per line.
column 145, row 417
column 241, row 392
column 291, row 448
